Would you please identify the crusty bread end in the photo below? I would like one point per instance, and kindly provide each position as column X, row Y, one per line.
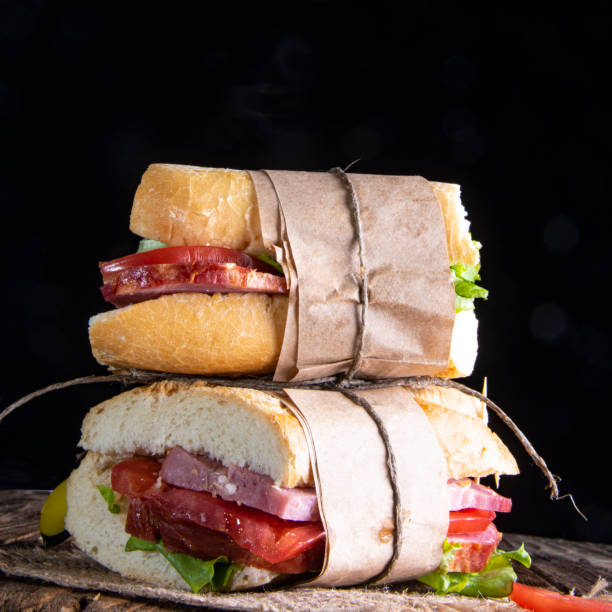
column 101, row 534
column 252, row 428
column 461, row 247
column 179, row 205
column 233, row 425
column 470, row 448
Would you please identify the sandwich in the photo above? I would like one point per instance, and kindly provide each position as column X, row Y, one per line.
column 206, row 297
column 194, row 486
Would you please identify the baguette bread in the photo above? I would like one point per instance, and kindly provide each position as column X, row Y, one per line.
column 181, row 205
column 193, row 333
column 237, row 426
column 252, row 428
column 234, row 333
column 234, row 426
column 239, row 333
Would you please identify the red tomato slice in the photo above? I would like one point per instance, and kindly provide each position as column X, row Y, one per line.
column 543, row 600
column 275, row 540
column 136, row 477
column 202, row 543
column 200, row 255
column 470, row 520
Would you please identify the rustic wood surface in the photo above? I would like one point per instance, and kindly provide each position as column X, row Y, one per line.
column 78, row 582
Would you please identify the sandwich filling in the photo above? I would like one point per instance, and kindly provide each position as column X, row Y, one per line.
column 193, row 505
column 157, row 269
column 204, row 525
column 184, row 269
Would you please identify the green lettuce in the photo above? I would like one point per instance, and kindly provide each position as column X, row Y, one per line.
column 195, row 572
column 270, row 261
column 150, row 245
column 495, row 580
column 109, row 496
column 466, row 290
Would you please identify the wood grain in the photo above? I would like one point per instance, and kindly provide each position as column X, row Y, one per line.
column 64, row 578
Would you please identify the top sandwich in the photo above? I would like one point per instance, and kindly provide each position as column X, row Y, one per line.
column 223, row 310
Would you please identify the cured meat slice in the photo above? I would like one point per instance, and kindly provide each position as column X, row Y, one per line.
column 476, row 548
column 274, row 539
column 142, row 283
column 239, row 484
column 468, row 494
column 265, row 535
column 202, row 543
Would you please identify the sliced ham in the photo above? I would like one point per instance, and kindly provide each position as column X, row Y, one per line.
column 239, row 484
column 267, row 536
column 468, row 494
column 200, row 507
column 476, row 548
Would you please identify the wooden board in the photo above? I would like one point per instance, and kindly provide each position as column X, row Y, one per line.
column 78, row 583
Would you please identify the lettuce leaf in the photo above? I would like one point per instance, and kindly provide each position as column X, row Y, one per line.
column 270, row 261
column 195, row 572
column 150, row 245
column 109, row 496
column 495, row 580
column 466, row 290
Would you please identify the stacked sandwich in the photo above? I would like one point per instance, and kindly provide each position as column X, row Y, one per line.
column 193, row 485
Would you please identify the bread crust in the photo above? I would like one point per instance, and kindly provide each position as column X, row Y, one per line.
column 179, row 205
column 232, row 334
column 101, row 534
column 461, row 247
column 253, row 428
column 233, row 425
column 470, row 448
column 452, row 399
column 193, row 333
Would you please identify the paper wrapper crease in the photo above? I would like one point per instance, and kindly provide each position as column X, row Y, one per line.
column 411, row 297
column 354, row 489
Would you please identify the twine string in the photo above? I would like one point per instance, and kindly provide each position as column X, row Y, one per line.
column 362, row 282
column 345, row 384
column 329, row 383
column 348, row 387
column 362, row 277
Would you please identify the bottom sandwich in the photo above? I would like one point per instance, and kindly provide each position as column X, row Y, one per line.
column 202, row 487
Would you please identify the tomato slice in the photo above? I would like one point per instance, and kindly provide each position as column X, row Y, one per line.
column 135, row 476
column 146, row 522
column 200, row 255
column 470, row 520
column 543, row 600
column 274, row 539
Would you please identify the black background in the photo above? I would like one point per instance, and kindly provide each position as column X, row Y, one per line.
column 512, row 105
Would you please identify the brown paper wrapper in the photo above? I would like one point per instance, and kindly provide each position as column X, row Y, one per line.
column 353, row 484
column 411, row 298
